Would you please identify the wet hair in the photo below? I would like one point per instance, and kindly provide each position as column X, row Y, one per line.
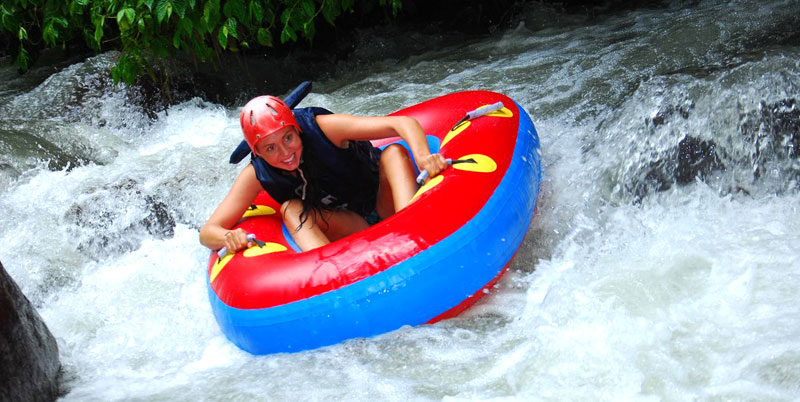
column 311, row 171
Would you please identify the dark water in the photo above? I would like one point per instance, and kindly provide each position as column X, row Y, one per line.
column 662, row 263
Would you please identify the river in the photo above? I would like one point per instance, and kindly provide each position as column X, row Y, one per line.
column 662, row 265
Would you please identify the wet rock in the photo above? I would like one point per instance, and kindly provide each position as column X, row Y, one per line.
column 781, row 122
column 666, row 113
column 158, row 222
column 115, row 219
column 29, row 365
column 691, row 159
column 20, row 149
column 696, row 158
column 774, row 132
column 467, row 16
column 8, row 173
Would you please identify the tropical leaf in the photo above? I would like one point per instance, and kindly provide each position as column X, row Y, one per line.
column 163, row 10
column 147, row 35
column 264, row 37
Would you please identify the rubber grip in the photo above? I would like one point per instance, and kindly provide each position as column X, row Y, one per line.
column 224, row 251
column 423, row 175
column 486, row 110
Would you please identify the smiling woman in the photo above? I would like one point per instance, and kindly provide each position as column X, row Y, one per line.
column 277, row 295
column 323, row 170
column 688, row 293
column 283, row 149
column 272, row 132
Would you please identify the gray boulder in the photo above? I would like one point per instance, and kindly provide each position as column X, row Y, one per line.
column 29, row 364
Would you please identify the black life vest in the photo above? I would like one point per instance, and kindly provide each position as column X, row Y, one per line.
column 346, row 177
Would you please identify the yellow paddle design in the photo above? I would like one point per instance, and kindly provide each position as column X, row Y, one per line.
column 258, row 210
column 260, row 248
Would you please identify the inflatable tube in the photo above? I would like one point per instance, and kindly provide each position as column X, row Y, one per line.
column 428, row 262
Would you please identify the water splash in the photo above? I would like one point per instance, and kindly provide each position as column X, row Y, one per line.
column 661, row 264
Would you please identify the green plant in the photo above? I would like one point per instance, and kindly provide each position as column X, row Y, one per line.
column 149, row 33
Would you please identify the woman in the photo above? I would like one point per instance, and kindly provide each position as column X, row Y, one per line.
column 322, row 168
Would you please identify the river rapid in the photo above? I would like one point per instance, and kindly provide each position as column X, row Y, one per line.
column 662, row 265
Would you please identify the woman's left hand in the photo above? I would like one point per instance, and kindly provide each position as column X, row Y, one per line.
column 433, row 163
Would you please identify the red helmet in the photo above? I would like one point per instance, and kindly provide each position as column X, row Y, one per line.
column 262, row 116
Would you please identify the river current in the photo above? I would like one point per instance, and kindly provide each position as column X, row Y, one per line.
column 662, row 264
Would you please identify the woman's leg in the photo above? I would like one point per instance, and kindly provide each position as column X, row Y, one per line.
column 397, row 182
column 316, row 231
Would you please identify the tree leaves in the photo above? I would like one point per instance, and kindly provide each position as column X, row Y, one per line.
column 222, row 36
column 235, row 9
column 51, row 33
column 149, row 32
column 23, row 59
column 163, row 10
column 125, row 18
column 264, row 37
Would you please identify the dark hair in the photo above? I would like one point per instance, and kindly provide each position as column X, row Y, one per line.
column 311, row 171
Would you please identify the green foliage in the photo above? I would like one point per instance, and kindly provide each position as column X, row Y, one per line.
column 149, row 32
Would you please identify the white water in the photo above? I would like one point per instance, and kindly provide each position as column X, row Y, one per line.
column 616, row 294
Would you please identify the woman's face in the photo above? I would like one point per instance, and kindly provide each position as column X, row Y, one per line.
column 282, row 149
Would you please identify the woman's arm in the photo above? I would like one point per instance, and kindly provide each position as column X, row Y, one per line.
column 340, row 128
column 217, row 233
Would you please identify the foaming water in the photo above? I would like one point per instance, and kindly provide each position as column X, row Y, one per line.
column 661, row 265
column 681, row 298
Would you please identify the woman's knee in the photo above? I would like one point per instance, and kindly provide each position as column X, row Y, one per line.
column 394, row 152
column 294, row 218
column 291, row 208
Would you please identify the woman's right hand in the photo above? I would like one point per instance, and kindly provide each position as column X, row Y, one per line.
column 235, row 240
column 433, row 163
column 215, row 233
